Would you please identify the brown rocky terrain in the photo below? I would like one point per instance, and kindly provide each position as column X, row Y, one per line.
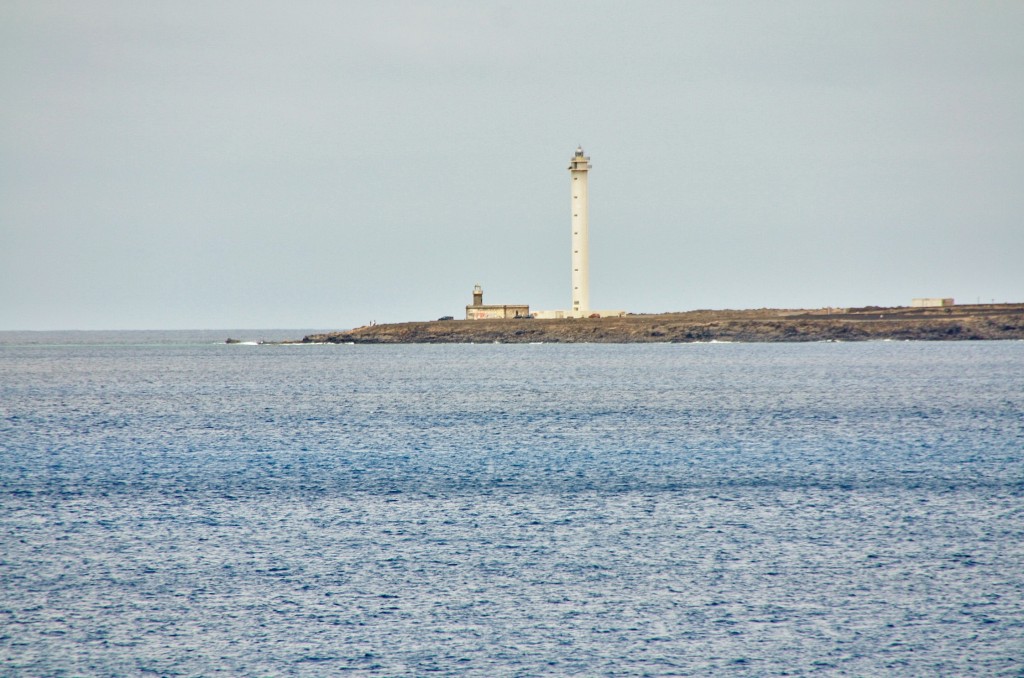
column 967, row 322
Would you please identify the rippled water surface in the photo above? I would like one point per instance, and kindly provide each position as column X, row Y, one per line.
column 185, row 508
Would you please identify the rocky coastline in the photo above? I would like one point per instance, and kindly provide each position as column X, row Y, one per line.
column 955, row 323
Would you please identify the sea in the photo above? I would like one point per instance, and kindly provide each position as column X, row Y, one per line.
column 174, row 506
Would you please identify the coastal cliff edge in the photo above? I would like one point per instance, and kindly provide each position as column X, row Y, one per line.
column 967, row 322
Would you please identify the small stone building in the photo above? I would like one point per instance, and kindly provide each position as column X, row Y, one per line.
column 480, row 311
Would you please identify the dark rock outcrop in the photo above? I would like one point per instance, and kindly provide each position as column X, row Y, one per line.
column 988, row 321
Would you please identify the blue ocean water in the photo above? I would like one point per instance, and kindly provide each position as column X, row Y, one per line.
column 177, row 507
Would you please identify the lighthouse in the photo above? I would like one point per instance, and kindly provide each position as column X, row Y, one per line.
column 579, row 166
column 578, row 169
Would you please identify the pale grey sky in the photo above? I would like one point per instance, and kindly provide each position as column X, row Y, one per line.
column 323, row 164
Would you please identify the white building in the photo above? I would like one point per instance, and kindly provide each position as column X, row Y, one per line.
column 931, row 302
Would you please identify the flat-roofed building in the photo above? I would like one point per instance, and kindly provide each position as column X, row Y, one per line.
column 478, row 310
column 931, row 302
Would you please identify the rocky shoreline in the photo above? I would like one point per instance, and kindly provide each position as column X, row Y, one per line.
column 969, row 322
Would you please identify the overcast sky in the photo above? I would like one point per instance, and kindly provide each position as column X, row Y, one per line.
column 217, row 164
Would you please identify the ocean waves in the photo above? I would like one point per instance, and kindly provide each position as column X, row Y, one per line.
column 512, row 510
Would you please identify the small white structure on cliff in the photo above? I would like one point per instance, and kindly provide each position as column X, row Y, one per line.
column 479, row 311
column 931, row 302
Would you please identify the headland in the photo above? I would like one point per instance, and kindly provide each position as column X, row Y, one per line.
column 963, row 322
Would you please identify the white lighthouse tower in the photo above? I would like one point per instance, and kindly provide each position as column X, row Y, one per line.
column 580, row 241
column 579, row 166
